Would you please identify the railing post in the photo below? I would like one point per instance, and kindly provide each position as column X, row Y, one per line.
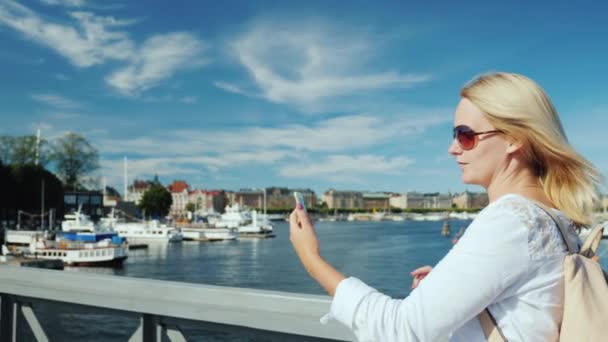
column 8, row 318
column 32, row 321
column 151, row 328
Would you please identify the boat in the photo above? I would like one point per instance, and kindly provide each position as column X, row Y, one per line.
column 142, row 232
column 148, row 232
column 79, row 243
column 445, row 229
column 245, row 221
column 462, row 215
column 209, row 234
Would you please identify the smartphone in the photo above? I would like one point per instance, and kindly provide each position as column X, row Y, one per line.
column 299, row 199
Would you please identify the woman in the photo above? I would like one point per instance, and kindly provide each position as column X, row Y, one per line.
column 507, row 138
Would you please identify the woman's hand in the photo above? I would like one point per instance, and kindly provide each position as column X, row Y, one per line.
column 304, row 240
column 303, row 237
column 419, row 274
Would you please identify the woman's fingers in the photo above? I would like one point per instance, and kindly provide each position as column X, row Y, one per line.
column 293, row 220
column 419, row 274
column 422, row 270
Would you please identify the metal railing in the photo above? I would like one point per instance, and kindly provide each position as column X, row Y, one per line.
column 162, row 305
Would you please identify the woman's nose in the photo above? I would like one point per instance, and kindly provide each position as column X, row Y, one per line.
column 454, row 148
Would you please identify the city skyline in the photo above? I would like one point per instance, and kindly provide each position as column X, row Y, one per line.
column 316, row 95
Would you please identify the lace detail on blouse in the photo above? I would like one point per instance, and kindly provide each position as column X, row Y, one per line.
column 544, row 238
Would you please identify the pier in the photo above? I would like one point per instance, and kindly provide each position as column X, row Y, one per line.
column 162, row 306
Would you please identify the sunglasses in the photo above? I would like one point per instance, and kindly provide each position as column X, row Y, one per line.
column 467, row 138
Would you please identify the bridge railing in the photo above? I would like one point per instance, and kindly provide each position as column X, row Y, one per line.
column 163, row 305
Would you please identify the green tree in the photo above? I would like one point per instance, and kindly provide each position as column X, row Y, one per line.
column 6, row 149
column 156, row 201
column 74, row 158
column 23, row 150
column 191, row 207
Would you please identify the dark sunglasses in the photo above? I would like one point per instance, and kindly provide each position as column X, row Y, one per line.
column 467, row 138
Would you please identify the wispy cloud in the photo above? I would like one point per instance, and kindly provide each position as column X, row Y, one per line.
column 233, row 88
column 91, row 40
column 88, row 39
column 339, row 166
column 337, row 134
column 61, row 77
column 159, row 58
column 188, row 99
column 113, row 170
column 68, row 3
column 56, row 101
column 307, row 62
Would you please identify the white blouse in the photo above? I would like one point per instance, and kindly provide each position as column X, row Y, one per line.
column 509, row 259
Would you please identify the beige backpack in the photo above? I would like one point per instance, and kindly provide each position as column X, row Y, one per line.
column 585, row 294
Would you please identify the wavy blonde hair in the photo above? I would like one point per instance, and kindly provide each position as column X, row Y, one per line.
column 517, row 106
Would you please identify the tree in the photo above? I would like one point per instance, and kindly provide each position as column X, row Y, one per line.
column 23, row 150
column 22, row 190
column 156, row 201
column 75, row 157
column 191, row 207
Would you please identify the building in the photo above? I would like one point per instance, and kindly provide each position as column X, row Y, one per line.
column 407, row 200
column 207, row 201
column 136, row 190
column 91, row 202
column 376, row 201
column 282, row 198
column 111, row 197
column 467, row 200
column 251, row 198
column 179, row 192
column 276, row 198
column 417, row 200
column 343, row 199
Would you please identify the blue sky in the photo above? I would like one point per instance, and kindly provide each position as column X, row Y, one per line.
column 350, row 95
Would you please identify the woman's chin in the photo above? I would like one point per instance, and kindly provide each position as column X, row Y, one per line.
column 466, row 179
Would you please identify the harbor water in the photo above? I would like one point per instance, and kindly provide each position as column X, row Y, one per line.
column 380, row 253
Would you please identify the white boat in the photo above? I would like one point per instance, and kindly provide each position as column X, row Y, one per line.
column 246, row 222
column 142, row 232
column 79, row 243
column 106, row 252
column 462, row 215
column 233, row 217
column 148, row 232
column 209, row 234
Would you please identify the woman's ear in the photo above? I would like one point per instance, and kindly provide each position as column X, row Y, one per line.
column 514, row 146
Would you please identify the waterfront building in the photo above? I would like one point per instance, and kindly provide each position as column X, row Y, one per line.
column 407, row 200
column 336, row 199
column 376, row 201
column 136, row 190
column 111, row 197
column 207, row 201
column 282, row 198
column 179, row 192
column 252, row 198
column 276, row 198
column 417, row 200
column 91, row 202
column 467, row 200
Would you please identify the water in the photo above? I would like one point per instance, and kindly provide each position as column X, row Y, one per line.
column 380, row 253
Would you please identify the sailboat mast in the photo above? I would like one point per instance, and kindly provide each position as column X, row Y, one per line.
column 125, row 180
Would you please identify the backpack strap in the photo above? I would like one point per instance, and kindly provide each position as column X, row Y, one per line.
column 562, row 229
column 490, row 328
column 592, row 241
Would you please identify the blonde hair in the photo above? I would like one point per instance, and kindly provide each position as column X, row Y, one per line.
column 517, row 106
